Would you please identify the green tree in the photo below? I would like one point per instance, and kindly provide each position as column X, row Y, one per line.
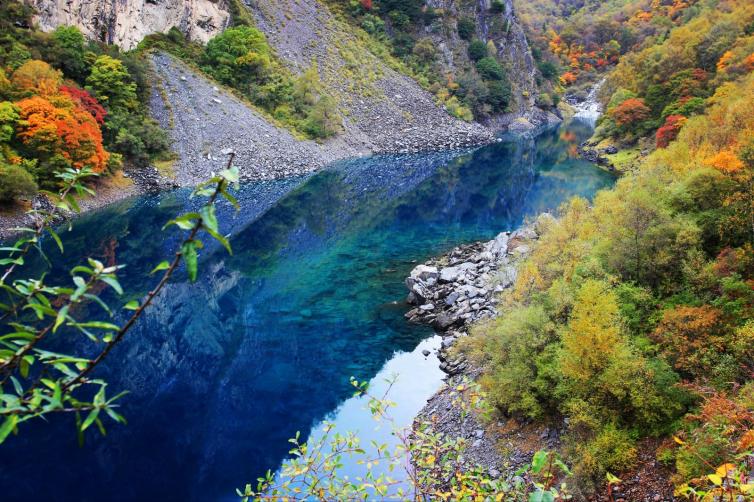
column 238, row 56
column 68, row 51
column 466, row 28
column 477, row 50
column 490, row 69
column 110, row 82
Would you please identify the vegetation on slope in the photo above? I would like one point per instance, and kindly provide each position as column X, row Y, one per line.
column 408, row 29
column 242, row 59
column 67, row 103
column 634, row 318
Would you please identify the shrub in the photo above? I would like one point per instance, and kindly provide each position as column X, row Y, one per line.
column 517, row 343
column 499, row 95
column 490, row 69
column 466, row 28
column 477, row 50
column 15, row 183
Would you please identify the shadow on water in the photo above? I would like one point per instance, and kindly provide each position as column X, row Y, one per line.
column 223, row 372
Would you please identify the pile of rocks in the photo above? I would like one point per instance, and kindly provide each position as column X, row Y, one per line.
column 452, row 292
column 588, row 151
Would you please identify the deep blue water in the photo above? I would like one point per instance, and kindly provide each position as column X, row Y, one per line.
column 222, row 373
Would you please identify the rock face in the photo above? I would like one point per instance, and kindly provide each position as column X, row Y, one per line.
column 505, row 31
column 383, row 111
column 206, row 122
column 127, row 22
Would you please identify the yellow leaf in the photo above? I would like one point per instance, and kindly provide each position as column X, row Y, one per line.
column 746, row 488
column 675, row 438
column 724, row 469
column 499, row 497
column 717, row 480
column 431, row 460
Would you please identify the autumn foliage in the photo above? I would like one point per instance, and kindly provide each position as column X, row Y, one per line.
column 60, row 126
column 631, row 111
column 669, row 130
column 86, row 101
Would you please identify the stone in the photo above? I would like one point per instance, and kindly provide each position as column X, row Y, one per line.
column 425, row 272
column 443, row 322
column 426, row 352
column 452, row 298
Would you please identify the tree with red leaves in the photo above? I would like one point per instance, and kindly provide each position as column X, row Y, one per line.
column 669, row 130
column 86, row 101
column 632, row 111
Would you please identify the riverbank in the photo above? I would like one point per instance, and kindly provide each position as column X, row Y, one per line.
column 455, row 293
column 452, row 293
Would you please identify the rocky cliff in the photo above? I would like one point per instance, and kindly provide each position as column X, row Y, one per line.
column 502, row 28
column 127, row 22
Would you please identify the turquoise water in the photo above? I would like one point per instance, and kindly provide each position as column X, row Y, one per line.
column 222, row 373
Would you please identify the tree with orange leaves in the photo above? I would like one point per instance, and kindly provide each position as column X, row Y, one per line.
column 57, row 130
column 630, row 112
column 36, row 77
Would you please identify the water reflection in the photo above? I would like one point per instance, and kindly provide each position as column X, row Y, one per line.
column 222, row 373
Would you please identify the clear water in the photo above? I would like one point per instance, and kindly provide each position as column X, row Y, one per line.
column 222, row 373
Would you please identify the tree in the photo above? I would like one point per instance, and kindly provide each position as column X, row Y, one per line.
column 68, row 52
column 477, row 50
column 238, row 56
column 630, row 112
column 466, row 28
column 110, row 82
column 490, row 69
column 51, row 131
column 36, row 77
column 700, row 345
column 425, row 51
column 86, row 101
column 593, row 334
column 669, row 130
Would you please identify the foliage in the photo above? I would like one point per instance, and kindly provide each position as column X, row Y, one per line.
column 241, row 58
column 436, row 470
column 15, row 182
column 490, row 69
column 35, row 382
column 477, row 50
column 466, row 28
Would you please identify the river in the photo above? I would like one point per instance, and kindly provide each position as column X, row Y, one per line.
column 222, row 373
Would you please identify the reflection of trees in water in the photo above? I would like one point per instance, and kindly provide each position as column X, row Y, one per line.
column 222, row 374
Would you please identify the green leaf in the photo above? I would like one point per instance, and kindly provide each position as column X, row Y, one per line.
column 539, row 461
column 188, row 250
column 56, row 238
column 221, row 239
column 62, row 315
column 113, row 283
column 90, row 419
column 8, row 425
column 162, row 266
column 132, row 305
column 209, row 218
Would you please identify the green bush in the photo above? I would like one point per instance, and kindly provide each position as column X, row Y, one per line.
column 466, row 28
column 499, row 95
column 490, row 69
column 15, row 183
column 477, row 50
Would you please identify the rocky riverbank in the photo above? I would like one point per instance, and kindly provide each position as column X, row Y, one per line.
column 452, row 293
